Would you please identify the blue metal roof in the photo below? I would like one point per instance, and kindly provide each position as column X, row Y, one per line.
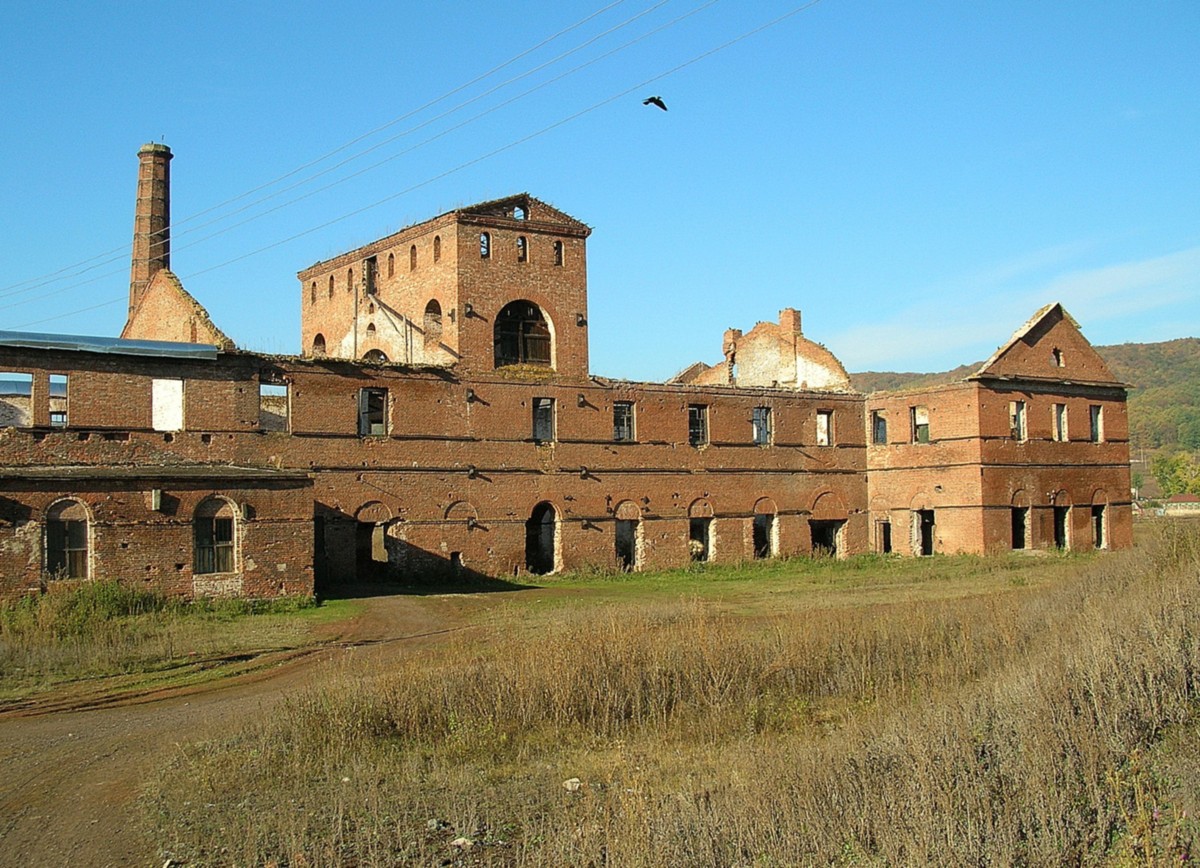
column 118, row 346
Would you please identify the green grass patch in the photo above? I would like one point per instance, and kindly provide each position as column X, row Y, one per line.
column 138, row 639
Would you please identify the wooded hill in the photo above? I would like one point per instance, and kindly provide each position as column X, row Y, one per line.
column 1164, row 401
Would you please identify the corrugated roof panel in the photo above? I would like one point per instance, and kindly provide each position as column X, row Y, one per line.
column 117, row 346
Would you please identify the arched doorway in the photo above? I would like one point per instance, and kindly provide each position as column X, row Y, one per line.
column 522, row 336
column 541, row 539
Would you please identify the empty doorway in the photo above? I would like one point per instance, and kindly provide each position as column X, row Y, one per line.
column 924, row 525
column 826, row 536
column 541, row 538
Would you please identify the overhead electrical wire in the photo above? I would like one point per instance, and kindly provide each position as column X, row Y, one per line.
column 492, row 153
column 123, row 249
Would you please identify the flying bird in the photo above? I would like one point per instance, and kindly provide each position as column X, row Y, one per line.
column 655, row 100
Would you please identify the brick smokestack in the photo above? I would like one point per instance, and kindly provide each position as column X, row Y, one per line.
column 151, row 220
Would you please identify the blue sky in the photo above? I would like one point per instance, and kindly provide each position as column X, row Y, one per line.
column 917, row 178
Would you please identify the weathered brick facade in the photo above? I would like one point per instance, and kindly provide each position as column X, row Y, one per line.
column 442, row 420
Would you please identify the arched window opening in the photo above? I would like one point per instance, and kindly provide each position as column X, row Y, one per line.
column 437, row 248
column 412, row 258
column 558, row 253
column 375, row 357
column 67, row 541
column 522, row 335
column 318, row 345
column 370, row 330
column 519, row 212
column 541, row 539
column 312, row 293
column 522, row 249
column 215, row 537
column 391, row 265
column 433, row 323
column 331, row 286
column 485, row 245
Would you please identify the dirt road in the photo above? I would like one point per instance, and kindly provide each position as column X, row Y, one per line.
column 69, row 778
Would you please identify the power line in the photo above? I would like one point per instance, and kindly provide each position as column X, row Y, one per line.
column 467, row 164
column 46, row 278
column 179, row 247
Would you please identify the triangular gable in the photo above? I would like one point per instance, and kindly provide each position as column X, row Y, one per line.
column 1049, row 346
column 168, row 312
column 536, row 211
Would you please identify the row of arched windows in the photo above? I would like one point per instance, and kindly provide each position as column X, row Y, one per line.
column 68, row 539
column 391, row 269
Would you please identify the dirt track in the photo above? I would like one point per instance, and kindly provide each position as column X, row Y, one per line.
column 69, row 779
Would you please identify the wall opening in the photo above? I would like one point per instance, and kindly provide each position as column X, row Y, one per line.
column 623, row 429
column 58, row 400
column 16, row 398
column 372, row 412
column 697, row 424
column 1020, row 527
column 879, row 435
column 433, row 323
column 215, row 537
column 541, row 533
column 370, row 275
column 627, row 543
column 558, row 253
column 522, row 335
column 318, row 345
column 919, row 417
column 273, row 406
column 543, row 420
column 883, row 537
column 826, row 536
column 1099, row 534
column 764, row 536
column 370, row 551
column 1062, row 527
column 700, row 539
column 67, row 541
column 924, row 524
column 760, row 423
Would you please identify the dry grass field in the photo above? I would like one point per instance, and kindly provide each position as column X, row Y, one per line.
column 1010, row 710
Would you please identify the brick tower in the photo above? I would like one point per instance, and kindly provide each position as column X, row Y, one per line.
column 151, row 221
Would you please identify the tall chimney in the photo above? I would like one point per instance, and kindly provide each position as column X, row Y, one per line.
column 151, row 220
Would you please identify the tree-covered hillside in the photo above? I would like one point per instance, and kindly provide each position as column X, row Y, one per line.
column 1164, row 401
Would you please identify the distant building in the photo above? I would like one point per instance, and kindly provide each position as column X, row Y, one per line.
column 442, row 419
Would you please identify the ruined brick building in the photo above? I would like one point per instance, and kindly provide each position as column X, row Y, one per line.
column 442, row 419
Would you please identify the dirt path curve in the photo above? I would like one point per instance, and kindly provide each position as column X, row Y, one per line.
column 69, row 780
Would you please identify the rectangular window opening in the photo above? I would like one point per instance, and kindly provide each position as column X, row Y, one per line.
column 1060, row 423
column 919, row 416
column 58, row 400
column 543, row 420
column 66, row 549
column 623, row 422
column 1096, row 423
column 879, row 434
column 16, row 397
column 761, row 424
column 697, row 424
column 824, row 427
column 372, row 412
column 370, row 275
column 273, row 406
column 1016, row 421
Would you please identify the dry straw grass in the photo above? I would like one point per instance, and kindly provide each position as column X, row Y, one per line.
column 1007, row 729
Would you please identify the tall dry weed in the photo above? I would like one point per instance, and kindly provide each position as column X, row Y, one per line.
column 997, row 729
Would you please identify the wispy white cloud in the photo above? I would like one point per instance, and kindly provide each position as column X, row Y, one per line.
column 954, row 325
